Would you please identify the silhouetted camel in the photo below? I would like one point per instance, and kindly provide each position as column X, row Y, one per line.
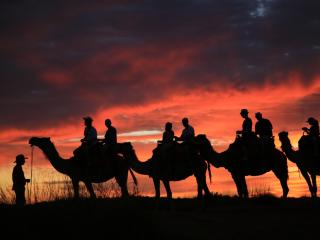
column 182, row 170
column 108, row 168
column 305, row 160
column 231, row 159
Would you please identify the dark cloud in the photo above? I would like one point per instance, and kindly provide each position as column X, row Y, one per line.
column 64, row 59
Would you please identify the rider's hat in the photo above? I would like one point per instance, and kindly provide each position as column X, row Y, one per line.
column 244, row 110
column 88, row 118
column 311, row 120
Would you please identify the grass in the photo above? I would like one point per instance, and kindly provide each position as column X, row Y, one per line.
column 220, row 217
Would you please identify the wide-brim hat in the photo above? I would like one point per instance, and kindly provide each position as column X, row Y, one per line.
column 20, row 157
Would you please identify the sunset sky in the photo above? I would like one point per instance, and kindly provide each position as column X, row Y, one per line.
column 143, row 63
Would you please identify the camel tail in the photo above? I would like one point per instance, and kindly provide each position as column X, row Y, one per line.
column 133, row 177
column 209, row 170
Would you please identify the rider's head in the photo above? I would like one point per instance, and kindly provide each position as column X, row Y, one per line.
column 258, row 115
column 168, row 126
column 244, row 113
column 107, row 122
column 312, row 121
column 185, row 122
column 88, row 121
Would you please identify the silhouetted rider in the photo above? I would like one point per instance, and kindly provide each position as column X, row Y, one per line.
column 168, row 134
column 246, row 133
column 263, row 127
column 90, row 133
column 88, row 142
column 110, row 138
column 187, row 136
column 187, row 133
column 246, row 125
column 313, row 132
column 166, row 149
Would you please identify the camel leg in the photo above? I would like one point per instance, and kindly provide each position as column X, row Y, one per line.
column 156, row 183
column 244, row 187
column 75, row 184
column 168, row 189
column 90, row 189
column 237, row 181
column 314, row 184
column 122, row 177
column 203, row 182
column 200, row 187
column 122, row 182
column 307, row 178
column 284, row 182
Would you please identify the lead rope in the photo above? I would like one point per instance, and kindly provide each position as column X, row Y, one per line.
column 31, row 168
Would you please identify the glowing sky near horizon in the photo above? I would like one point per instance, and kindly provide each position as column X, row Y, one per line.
column 143, row 63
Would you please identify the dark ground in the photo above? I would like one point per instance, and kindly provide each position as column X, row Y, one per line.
column 141, row 218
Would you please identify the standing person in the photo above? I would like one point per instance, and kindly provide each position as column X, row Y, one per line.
column 187, row 133
column 19, row 180
column 263, row 127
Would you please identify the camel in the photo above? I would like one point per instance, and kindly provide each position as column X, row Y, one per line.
column 153, row 167
column 232, row 160
column 304, row 159
column 108, row 168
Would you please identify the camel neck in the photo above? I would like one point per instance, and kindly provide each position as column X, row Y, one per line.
column 60, row 164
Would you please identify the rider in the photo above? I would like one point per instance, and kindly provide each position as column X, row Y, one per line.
column 246, row 132
column 313, row 132
column 90, row 133
column 110, row 138
column 90, row 138
column 168, row 134
column 167, row 144
column 263, row 127
column 246, row 125
column 187, row 134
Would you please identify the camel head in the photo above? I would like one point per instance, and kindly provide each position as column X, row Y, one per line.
column 40, row 142
column 204, row 145
column 284, row 138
